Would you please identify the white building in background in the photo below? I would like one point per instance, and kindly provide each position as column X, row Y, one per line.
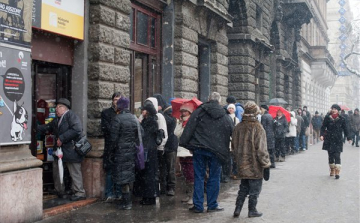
column 318, row 73
column 346, row 88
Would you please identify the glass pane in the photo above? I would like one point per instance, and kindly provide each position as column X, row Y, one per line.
column 142, row 28
column 132, row 24
column 153, row 32
column 138, row 82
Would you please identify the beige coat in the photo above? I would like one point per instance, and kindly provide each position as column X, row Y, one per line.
column 250, row 148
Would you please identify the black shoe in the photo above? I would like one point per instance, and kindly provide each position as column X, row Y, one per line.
column 148, row 201
column 254, row 213
column 195, row 210
column 77, row 198
column 218, row 208
column 272, row 165
column 357, row 145
column 337, row 177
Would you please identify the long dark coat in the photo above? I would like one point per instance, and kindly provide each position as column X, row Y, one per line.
column 107, row 115
column 123, row 135
column 268, row 123
column 146, row 185
column 332, row 130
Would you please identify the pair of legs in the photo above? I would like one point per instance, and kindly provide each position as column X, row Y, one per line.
column 226, row 170
column 111, row 189
column 202, row 159
column 303, row 142
column 253, row 189
column 290, row 144
column 316, row 135
column 334, row 163
column 126, row 203
column 280, row 147
column 167, row 172
column 187, row 169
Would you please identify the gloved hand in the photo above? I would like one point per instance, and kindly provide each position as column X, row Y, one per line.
column 266, row 174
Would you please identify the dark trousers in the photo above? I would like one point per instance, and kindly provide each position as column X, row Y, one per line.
column 251, row 188
column 289, row 144
column 226, row 170
column 280, row 147
column 272, row 156
column 334, row 157
column 356, row 138
column 167, row 176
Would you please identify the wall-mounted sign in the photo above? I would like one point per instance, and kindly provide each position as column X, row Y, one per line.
column 65, row 17
column 15, row 96
column 15, row 22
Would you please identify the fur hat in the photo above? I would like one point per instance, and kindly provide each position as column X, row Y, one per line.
column 231, row 100
column 231, row 106
column 65, row 102
column 187, row 107
column 122, row 103
column 336, row 106
column 251, row 108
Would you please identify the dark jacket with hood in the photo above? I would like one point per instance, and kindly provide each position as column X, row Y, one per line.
column 268, row 123
column 69, row 131
column 172, row 142
column 280, row 127
column 332, row 130
column 123, row 135
column 107, row 115
column 209, row 128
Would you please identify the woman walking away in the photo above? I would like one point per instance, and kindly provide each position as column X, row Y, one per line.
column 250, row 150
column 146, row 184
column 290, row 135
column 185, row 157
column 331, row 133
column 123, row 135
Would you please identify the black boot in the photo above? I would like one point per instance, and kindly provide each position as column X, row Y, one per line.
column 239, row 204
column 127, row 203
column 252, row 207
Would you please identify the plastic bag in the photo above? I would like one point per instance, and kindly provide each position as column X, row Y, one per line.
column 60, row 154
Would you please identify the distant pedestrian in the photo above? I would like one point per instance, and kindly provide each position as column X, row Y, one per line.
column 123, row 136
column 308, row 116
column 347, row 120
column 291, row 134
column 316, row 122
column 304, row 130
column 331, row 133
column 355, row 126
column 250, row 151
column 267, row 122
column 280, row 129
column 300, row 123
column 207, row 135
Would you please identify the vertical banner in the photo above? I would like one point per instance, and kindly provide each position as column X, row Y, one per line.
column 16, row 22
column 15, row 96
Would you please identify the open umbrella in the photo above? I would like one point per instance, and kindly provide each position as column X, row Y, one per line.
column 178, row 102
column 277, row 101
column 274, row 109
column 344, row 107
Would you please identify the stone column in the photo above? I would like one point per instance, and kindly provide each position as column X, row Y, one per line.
column 108, row 72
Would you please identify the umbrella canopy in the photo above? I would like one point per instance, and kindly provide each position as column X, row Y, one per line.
column 345, row 108
column 274, row 109
column 277, row 101
column 178, row 102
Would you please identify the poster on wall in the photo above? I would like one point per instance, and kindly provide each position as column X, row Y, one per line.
column 15, row 96
column 15, row 22
column 64, row 17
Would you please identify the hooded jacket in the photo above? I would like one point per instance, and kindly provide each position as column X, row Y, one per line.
column 292, row 126
column 280, row 127
column 209, row 128
column 268, row 124
column 161, row 122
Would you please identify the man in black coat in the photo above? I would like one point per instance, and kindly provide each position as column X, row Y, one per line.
column 267, row 122
column 280, row 129
column 107, row 116
column 167, row 157
column 67, row 129
column 207, row 134
column 316, row 122
column 308, row 116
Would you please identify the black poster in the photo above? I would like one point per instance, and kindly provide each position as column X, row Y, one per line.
column 16, row 22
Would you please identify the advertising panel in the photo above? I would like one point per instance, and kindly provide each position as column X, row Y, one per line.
column 65, row 17
column 15, row 96
column 15, row 22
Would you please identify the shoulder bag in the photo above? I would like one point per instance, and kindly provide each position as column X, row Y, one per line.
column 83, row 146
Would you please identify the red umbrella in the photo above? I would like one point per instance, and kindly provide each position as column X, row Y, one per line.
column 344, row 107
column 178, row 102
column 273, row 110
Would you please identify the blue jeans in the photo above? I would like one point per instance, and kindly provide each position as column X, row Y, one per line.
column 111, row 190
column 296, row 142
column 303, row 141
column 201, row 160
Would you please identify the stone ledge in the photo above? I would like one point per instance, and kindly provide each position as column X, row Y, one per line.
column 67, row 207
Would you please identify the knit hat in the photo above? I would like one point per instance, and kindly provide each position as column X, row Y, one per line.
column 265, row 107
column 336, row 106
column 65, row 102
column 231, row 106
column 122, row 103
column 231, row 100
column 251, row 108
column 187, row 107
column 316, row 113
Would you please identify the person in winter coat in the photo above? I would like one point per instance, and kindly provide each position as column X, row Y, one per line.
column 331, row 133
column 316, row 122
column 167, row 157
column 355, row 126
column 207, row 135
column 291, row 134
column 268, row 124
column 300, row 123
column 304, row 126
column 185, row 157
column 67, row 129
column 239, row 110
column 249, row 145
column 107, row 115
column 347, row 120
column 146, row 185
column 280, row 130
column 123, row 135
column 308, row 116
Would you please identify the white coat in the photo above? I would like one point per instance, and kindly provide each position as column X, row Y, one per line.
column 292, row 126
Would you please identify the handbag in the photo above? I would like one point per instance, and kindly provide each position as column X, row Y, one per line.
column 83, row 146
column 141, row 156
